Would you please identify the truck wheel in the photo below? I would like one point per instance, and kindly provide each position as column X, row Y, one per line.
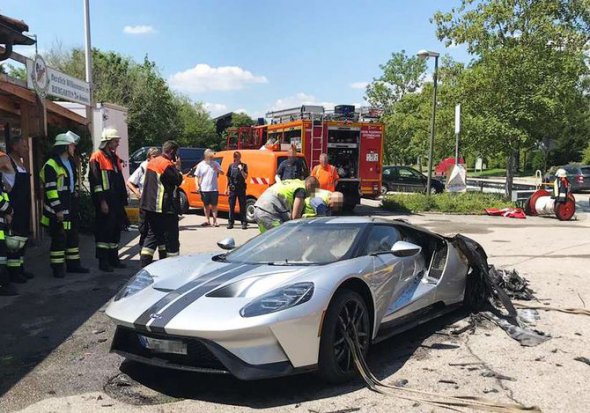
column 250, row 210
column 184, row 206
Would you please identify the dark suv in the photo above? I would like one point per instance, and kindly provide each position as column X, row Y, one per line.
column 578, row 175
column 189, row 157
column 406, row 179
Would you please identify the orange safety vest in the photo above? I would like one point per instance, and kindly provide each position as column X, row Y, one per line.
column 155, row 196
column 327, row 178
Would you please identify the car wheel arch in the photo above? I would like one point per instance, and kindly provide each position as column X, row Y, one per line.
column 359, row 286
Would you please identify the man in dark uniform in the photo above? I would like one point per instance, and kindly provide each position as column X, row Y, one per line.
column 291, row 168
column 109, row 194
column 160, row 204
column 237, row 173
column 61, row 206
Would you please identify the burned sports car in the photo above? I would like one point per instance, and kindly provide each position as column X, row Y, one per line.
column 281, row 303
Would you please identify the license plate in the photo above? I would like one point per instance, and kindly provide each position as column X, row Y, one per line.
column 163, row 346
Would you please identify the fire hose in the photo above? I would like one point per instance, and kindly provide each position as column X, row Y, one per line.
column 455, row 403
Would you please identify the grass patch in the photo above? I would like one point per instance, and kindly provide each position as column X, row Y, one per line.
column 469, row 203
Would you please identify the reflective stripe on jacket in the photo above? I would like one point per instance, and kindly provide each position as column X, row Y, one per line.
column 106, row 178
column 56, row 192
column 160, row 187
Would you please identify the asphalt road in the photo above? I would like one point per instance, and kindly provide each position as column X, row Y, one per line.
column 54, row 346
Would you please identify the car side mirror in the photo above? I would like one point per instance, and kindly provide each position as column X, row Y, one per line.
column 227, row 244
column 405, row 249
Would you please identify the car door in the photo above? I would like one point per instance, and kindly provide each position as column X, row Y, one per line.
column 411, row 180
column 388, row 269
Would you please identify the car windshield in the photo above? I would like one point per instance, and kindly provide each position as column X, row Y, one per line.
column 299, row 243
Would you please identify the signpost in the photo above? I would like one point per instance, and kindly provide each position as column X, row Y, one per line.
column 48, row 81
column 457, row 131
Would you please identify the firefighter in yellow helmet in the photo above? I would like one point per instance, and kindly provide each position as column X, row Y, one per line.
column 109, row 195
column 61, row 205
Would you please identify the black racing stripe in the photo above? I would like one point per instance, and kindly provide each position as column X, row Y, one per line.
column 169, row 313
column 145, row 317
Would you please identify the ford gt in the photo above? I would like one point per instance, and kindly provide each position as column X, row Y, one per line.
column 283, row 302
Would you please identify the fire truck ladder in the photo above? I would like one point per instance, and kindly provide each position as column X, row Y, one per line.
column 317, row 141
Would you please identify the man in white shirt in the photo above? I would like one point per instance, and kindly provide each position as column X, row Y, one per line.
column 135, row 181
column 206, row 173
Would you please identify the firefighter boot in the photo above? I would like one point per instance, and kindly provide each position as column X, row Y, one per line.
column 74, row 266
column 146, row 260
column 16, row 276
column 58, row 270
column 104, row 263
column 6, row 289
column 114, row 259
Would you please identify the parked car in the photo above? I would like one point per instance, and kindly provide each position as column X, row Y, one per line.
column 189, row 157
column 406, row 179
column 283, row 302
column 578, row 175
column 262, row 168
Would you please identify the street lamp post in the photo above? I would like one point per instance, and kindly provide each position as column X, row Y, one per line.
column 425, row 54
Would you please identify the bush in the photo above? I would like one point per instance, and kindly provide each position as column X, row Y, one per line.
column 469, row 203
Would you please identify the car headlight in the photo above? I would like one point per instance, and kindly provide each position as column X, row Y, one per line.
column 278, row 300
column 137, row 283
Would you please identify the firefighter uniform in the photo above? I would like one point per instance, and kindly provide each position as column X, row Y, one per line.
column 5, row 209
column 60, row 195
column 160, row 204
column 108, row 185
column 276, row 203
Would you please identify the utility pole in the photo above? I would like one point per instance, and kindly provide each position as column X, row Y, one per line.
column 457, row 131
column 88, row 53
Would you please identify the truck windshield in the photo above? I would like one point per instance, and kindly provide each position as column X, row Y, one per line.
column 298, row 243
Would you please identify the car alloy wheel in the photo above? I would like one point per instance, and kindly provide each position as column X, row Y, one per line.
column 384, row 189
column 347, row 313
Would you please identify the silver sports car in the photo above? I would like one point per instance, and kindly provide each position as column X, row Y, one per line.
column 280, row 303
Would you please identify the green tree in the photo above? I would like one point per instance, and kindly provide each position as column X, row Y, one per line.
column 525, row 82
column 197, row 128
column 239, row 119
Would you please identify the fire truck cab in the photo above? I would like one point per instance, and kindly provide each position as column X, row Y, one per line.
column 352, row 139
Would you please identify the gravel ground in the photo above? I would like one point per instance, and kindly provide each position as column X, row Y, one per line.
column 54, row 347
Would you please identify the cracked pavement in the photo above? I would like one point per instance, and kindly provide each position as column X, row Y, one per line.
column 54, row 347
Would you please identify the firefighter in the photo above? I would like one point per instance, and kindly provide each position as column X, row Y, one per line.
column 322, row 203
column 61, row 205
column 160, row 204
column 107, row 186
column 282, row 202
column 6, row 288
column 18, row 184
column 561, row 186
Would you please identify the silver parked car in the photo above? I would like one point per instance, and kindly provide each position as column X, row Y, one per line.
column 279, row 304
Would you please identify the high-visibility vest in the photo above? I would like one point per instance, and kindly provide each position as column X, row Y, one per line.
column 286, row 190
column 157, row 197
column 56, row 192
column 323, row 194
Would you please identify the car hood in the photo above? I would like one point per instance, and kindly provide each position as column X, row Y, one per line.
column 188, row 272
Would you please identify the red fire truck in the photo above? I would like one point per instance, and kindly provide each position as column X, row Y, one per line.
column 352, row 138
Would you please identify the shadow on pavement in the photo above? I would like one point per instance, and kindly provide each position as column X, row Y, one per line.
column 48, row 310
column 385, row 359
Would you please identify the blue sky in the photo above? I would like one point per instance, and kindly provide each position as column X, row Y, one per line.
column 252, row 55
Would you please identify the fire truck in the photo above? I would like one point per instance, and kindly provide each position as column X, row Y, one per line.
column 352, row 138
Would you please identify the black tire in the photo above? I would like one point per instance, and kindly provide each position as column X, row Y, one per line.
column 335, row 359
column 384, row 189
column 184, row 206
column 250, row 210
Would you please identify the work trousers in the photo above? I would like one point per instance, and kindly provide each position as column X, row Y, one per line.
column 15, row 262
column 107, row 232
column 4, row 278
column 65, row 242
column 240, row 196
column 162, row 234
column 267, row 221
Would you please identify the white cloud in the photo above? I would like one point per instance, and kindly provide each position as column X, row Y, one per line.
column 216, row 109
column 300, row 99
column 241, row 110
column 205, row 78
column 139, row 29
column 359, row 85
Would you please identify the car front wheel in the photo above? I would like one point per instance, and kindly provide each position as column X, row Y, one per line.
column 384, row 189
column 347, row 312
column 250, row 210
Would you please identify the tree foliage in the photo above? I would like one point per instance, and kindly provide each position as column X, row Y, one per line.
column 155, row 113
